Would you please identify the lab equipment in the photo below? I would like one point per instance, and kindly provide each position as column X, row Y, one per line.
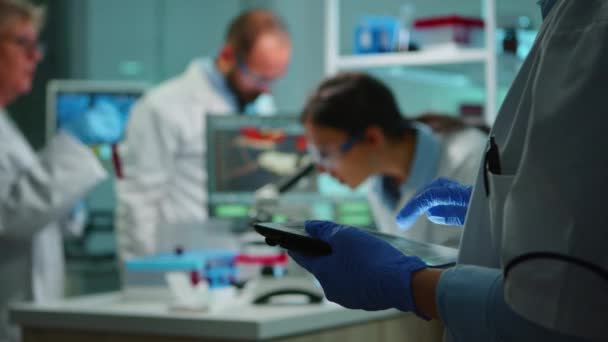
column 267, row 277
column 376, row 34
column 188, row 292
column 250, row 265
column 293, row 237
column 99, row 105
column 443, row 201
column 363, row 272
column 286, row 290
column 251, row 160
column 448, row 32
column 267, row 197
column 404, row 40
column 147, row 275
column 509, row 41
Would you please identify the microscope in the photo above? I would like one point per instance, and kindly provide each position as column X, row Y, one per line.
column 296, row 281
column 267, row 197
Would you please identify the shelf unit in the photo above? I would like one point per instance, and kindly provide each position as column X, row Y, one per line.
column 486, row 56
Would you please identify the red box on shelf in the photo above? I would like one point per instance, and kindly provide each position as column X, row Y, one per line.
column 448, row 31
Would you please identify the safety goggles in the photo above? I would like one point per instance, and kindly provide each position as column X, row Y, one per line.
column 329, row 160
column 256, row 80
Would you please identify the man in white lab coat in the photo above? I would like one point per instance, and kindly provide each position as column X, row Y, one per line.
column 164, row 152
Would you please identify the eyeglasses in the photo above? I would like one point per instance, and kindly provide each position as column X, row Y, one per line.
column 28, row 45
column 330, row 160
column 252, row 77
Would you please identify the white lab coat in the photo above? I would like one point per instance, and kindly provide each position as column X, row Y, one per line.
column 48, row 262
column 35, row 192
column 551, row 195
column 459, row 158
column 163, row 158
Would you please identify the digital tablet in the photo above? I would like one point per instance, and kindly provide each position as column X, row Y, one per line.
column 293, row 236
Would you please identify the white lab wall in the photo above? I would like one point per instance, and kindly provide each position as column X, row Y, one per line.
column 122, row 39
column 306, row 26
column 147, row 40
column 193, row 28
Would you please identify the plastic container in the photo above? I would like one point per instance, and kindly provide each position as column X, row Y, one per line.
column 448, row 31
column 376, row 34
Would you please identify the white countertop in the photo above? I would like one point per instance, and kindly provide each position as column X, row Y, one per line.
column 113, row 313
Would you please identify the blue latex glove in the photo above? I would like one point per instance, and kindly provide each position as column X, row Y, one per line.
column 363, row 272
column 98, row 125
column 443, row 201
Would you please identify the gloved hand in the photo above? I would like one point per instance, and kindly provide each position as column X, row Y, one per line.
column 444, row 202
column 98, row 125
column 363, row 272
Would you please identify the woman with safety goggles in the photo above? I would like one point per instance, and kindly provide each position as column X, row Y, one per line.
column 356, row 132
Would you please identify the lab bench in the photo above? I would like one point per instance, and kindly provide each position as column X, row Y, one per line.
column 111, row 317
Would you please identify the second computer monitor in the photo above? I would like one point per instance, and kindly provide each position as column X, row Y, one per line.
column 245, row 153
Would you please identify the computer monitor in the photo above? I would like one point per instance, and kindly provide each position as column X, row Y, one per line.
column 246, row 152
column 68, row 98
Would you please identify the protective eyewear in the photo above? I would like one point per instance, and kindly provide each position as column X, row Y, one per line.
column 252, row 77
column 329, row 160
column 28, row 45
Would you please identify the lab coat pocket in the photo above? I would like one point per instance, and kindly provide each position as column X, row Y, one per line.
column 499, row 186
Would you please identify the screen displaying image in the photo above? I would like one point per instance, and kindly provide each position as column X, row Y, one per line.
column 71, row 104
column 252, row 157
column 247, row 153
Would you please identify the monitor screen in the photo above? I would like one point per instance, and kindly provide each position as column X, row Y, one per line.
column 67, row 99
column 244, row 153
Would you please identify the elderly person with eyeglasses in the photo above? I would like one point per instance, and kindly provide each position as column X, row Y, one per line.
column 37, row 190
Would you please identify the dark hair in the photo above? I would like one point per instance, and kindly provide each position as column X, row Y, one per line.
column 352, row 102
column 249, row 25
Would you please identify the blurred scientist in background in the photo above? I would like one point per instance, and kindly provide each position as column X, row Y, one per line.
column 36, row 191
column 356, row 132
column 164, row 154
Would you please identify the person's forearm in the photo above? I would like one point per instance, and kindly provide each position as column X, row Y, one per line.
column 424, row 285
column 470, row 302
column 34, row 197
